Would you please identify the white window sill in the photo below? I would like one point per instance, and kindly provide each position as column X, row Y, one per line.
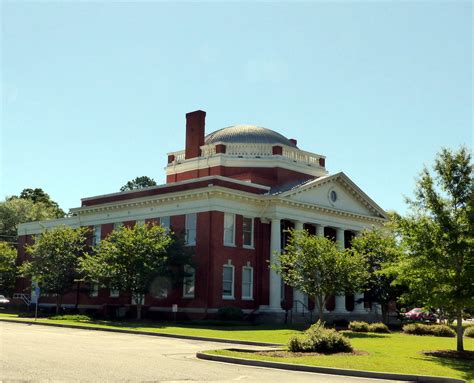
column 190, row 244
column 228, row 298
column 247, row 298
column 188, row 296
column 248, row 247
column 229, row 244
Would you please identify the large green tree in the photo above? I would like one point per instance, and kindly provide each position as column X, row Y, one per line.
column 138, row 183
column 316, row 266
column 8, row 268
column 39, row 195
column 14, row 211
column 54, row 259
column 438, row 267
column 130, row 258
column 379, row 247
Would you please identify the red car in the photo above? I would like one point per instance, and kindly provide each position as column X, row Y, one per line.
column 419, row 314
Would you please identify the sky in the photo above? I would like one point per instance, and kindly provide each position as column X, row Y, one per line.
column 95, row 93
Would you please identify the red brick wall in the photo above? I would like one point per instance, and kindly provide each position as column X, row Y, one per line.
column 264, row 176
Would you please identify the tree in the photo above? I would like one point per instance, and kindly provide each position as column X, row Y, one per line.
column 438, row 267
column 55, row 259
column 8, row 268
column 14, row 211
column 317, row 267
column 130, row 258
column 138, row 183
column 39, row 195
column 379, row 247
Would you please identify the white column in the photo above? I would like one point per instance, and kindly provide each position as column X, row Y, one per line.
column 340, row 306
column 340, row 237
column 275, row 280
column 297, row 294
column 359, row 307
column 320, row 230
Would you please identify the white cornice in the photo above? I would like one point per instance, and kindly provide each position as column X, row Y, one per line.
column 245, row 162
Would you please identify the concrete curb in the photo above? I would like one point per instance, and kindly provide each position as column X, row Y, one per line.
column 327, row 370
column 138, row 332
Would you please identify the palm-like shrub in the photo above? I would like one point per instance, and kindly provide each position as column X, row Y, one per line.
column 378, row 327
column 357, row 326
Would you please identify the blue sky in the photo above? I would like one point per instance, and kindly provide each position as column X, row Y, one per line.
column 95, row 93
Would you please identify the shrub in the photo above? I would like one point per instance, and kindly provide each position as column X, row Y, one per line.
column 434, row 330
column 76, row 317
column 230, row 313
column 378, row 327
column 359, row 326
column 319, row 339
column 469, row 332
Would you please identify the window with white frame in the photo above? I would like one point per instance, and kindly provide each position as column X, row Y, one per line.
column 114, row 293
column 165, row 222
column 228, row 282
column 191, row 220
column 94, row 291
column 229, row 229
column 189, row 280
column 96, row 235
column 247, row 232
column 247, row 282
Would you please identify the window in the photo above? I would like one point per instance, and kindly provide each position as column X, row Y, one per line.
column 247, row 232
column 229, row 229
column 189, row 282
column 160, row 287
column 228, row 282
column 118, row 225
column 96, row 235
column 247, row 282
column 191, row 229
column 114, row 293
column 139, row 222
column 165, row 222
column 94, row 292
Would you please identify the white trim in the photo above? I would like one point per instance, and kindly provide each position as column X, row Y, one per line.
column 230, row 244
column 247, row 297
column 232, row 295
column 188, row 230
column 252, row 228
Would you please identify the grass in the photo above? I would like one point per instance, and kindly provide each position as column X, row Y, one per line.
column 395, row 352
column 255, row 333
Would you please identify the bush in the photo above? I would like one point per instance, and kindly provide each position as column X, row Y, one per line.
column 378, row 327
column 230, row 313
column 319, row 339
column 356, row 326
column 469, row 332
column 76, row 317
column 424, row 329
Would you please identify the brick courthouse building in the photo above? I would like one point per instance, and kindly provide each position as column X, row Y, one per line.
column 234, row 193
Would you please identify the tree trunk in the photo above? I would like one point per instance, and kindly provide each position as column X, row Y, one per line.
column 139, row 311
column 321, row 302
column 459, row 330
column 58, row 304
column 384, row 307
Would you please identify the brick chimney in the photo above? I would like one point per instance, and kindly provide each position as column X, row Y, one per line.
column 195, row 125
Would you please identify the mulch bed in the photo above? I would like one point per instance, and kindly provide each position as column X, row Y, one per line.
column 288, row 354
column 452, row 354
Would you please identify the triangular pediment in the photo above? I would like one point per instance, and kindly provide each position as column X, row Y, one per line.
column 337, row 192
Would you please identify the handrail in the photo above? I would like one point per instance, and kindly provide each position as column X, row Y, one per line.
column 295, row 309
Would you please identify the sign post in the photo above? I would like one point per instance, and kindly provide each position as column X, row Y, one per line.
column 174, row 309
column 37, row 292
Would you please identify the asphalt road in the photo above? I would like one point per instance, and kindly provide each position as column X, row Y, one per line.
column 39, row 353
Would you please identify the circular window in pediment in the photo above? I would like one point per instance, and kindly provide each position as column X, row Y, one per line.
column 333, row 196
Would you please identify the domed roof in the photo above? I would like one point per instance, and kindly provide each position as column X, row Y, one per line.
column 247, row 134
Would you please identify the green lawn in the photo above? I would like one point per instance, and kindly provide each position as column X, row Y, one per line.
column 257, row 333
column 395, row 352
